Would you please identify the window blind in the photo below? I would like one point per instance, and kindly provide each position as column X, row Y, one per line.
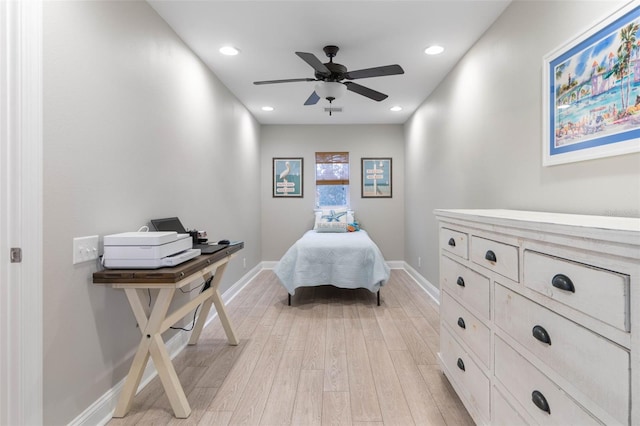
column 332, row 168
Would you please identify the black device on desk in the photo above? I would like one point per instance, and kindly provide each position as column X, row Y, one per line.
column 174, row 224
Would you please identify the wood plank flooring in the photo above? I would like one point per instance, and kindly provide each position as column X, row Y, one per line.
column 332, row 358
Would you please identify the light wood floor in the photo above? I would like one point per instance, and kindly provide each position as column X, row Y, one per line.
column 333, row 357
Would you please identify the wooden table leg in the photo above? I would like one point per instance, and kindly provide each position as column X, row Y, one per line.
column 204, row 313
column 224, row 318
column 152, row 344
column 220, row 309
column 169, row 377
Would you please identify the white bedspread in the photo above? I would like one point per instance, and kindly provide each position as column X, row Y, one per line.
column 345, row 260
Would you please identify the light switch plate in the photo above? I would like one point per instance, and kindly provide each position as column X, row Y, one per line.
column 85, row 249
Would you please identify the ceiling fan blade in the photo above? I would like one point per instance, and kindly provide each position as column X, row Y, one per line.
column 313, row 99
column 290, row 80
column 374, row 72
column 365, row 91
column 315, row 63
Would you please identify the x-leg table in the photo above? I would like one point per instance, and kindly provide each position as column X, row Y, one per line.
column 156, row 320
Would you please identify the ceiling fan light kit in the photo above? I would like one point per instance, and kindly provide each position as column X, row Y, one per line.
column 330, row 75
column 330, row 90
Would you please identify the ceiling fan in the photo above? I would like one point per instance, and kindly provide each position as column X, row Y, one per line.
column 331, row 74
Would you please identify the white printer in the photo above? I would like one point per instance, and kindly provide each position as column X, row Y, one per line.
column 147, row 250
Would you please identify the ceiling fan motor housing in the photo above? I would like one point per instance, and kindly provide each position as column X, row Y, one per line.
column 337, row 72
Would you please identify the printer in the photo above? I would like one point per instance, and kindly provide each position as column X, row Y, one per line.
column 147, row 250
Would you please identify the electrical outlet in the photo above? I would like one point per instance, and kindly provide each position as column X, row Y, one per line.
column 85, row 249
column 419, row 262
column 244, row 263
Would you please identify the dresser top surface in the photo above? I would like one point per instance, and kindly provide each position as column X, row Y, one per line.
column 521, row 217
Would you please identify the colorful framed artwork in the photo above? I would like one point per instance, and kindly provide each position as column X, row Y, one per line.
column 287, row 177
column 376, row 178
column 591, row 92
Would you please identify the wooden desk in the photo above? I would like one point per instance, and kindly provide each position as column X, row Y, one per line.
column 153, row 322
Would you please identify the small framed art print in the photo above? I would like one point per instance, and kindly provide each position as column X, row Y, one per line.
column 287, row 177
column 376, row 178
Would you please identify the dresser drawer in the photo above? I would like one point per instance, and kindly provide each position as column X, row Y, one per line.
column 596, row 292
column 454, row 242
column 465, row 372
column 466, row 285
column 503, row 414
column 527, row 384
column 467, row 327
column 499, row 257
column 596, row 366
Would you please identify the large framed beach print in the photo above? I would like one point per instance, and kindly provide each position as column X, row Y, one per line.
column 591, row 92
column 287, row 177
column 376, row 178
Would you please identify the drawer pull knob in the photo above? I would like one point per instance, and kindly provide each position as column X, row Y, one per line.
column 563, row 282
column 540, row 401
column 541, row 334
column 490, row 256
column 460, row 364
column 452, row 242
column 460, row 282
column 461, row 323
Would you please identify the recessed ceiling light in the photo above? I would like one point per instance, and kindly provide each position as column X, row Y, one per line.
column 267, row 108
column 229, row 50
column 396, row 108
column 434, row 50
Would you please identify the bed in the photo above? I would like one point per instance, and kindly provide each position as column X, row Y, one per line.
column 339, row 258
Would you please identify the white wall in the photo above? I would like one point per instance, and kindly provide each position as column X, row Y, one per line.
column 476, row 141
column 285, row 220
column 135, row 127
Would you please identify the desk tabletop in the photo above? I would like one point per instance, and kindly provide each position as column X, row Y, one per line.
column 170, row 275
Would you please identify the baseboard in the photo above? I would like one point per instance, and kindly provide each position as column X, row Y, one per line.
column 269, row 264
column 395, row 264
column 101, row 411
column 429, row 288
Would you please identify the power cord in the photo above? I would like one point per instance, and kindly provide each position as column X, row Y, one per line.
column 205, row 285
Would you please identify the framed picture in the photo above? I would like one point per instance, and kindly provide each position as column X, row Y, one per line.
column 287, row 177
column 376, row 178
column 591, row 92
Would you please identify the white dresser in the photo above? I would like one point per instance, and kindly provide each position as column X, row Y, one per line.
column 540, row 316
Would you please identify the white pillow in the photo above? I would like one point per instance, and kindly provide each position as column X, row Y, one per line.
column 332, row 227
column 333, row 216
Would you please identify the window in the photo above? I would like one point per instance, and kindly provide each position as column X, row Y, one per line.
column 332, row 179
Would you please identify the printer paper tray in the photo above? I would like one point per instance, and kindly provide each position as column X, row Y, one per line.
column 152, row 263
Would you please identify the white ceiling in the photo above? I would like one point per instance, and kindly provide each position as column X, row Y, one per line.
column 369, row 34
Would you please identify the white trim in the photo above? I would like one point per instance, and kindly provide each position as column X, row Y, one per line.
column 429, row 288
column 21, row 353
column 101, row 411
column 396, row 264
column 269, row 264
column 235, row 289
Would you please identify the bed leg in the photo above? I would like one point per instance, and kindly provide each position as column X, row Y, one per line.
column 289, row 294
column 378, row 297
